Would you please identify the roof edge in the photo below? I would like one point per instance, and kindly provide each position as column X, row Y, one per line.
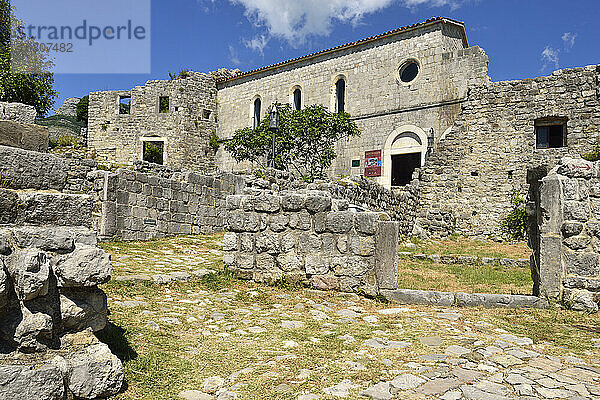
column 404, row 29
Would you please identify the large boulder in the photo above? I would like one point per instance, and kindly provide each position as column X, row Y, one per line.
column 25, row 382
column 24, row 136
column 87, row 266
column 53, row 239
column 69, row 107
column 30, row 271
column 82, row 309
column 94, row 372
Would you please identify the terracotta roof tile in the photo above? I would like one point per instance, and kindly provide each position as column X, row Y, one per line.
column 340, row 47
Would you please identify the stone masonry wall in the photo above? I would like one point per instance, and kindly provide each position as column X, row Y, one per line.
column 185, row 129
column 468, row 181
column 306, row 236
column 23, row 169
column 18, row 112
column 134, row 205
column 400, row 204
column 567, row 251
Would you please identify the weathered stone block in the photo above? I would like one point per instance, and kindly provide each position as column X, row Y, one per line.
column 245, row 261
column 247, row 242
column 267, row 203
column 386, row 254
column 363, row 245
column 300, row 221
column 318, row 202
column 577, row 242
column 324, row 282
column 8, row 206
column 316, row 264
column 278, row 223
column 576, row 210
column 29, row 271
column 289, row 262
column 240, row 221
column 48, row 239
column 83, row 309
column 310, row 243
column 340, row 222
column 267, row 242
column 366, row 223
column 25, row 136
column 292, row 202
column 230, row 242
column 86, row 267
column 29, row 383
column 583, row 264
column 351, row 266
column 288, row 242
column 571, row 228
column 94, row 372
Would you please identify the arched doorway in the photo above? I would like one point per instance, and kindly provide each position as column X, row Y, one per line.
column 404, row 151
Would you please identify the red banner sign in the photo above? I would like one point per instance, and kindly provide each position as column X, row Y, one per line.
column 373, row 163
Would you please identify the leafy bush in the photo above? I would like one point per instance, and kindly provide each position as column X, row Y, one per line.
column 214, row 141
column 182, row 74
column 304, row 141
column 514, row 225
column 593, row 155
column 82, row 109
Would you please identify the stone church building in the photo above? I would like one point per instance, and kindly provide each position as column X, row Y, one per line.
column 421, row 97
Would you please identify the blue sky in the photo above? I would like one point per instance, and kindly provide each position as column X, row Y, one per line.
column 523, row 38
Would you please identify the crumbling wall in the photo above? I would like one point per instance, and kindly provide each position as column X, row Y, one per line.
column 18, row 112
column 185, row 129
column 23, row 169
column 400, row 204
column 306, row 236
column 140, row 206
column 468, row 181
column 567, row 246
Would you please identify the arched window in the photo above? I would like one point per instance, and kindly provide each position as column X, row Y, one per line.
column 340, row 95
column 297, row 99
column 257, row 104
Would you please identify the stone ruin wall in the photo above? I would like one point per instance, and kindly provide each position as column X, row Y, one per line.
column 399, row 204
column 50, row 269
column 134, row 205
column 566, row 217
column 18, row 112
column 306, row 236
column 186, row 128
column 468, row 181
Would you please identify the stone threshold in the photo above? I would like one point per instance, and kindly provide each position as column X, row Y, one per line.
column 451, row 299
column 458, row 259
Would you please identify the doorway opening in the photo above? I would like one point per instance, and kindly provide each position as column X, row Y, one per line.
column 403, row 167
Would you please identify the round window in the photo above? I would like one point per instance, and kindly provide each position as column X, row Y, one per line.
column 409, row 71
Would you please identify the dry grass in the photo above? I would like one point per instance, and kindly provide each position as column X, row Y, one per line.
column 473, row 247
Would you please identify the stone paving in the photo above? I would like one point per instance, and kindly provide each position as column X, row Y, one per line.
column 370, row 350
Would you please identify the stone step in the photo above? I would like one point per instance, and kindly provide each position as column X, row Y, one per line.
column 45, row 208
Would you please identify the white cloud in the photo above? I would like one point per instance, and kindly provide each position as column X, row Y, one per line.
column 233, row 57
column 550, row 56
column 295, row 20
column 569, row 40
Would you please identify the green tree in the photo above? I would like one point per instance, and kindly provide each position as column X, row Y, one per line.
column 27, row 79
column 182, row 74
column 304, row 142
column 82, row 109
column 514, row 225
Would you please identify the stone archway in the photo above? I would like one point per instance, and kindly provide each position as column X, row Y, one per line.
column 406, row 140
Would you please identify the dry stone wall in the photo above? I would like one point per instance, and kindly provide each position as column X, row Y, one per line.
column 306, row 236
column 468, row 181
column 134, row 205
column 567, row 251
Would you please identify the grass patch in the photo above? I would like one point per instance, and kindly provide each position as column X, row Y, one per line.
column 427, row 275
column 470, row 247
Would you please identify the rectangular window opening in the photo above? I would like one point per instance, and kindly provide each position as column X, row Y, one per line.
column 163, row 104
column 124, row 104
column 206, row 114
column 154, row 152
column 355, row 163
column 550, row 133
